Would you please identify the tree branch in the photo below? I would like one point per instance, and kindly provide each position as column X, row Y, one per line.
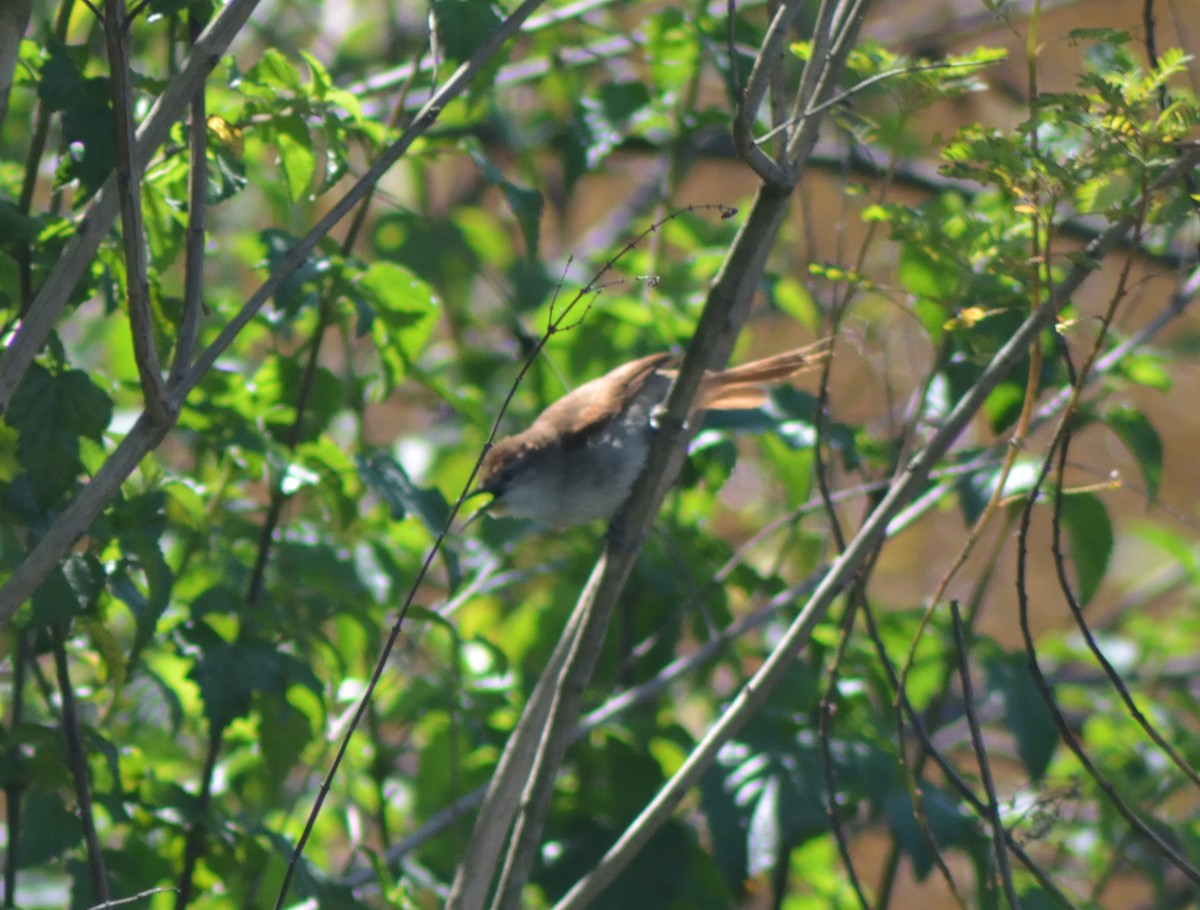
column 77, row 761
column 193, row 257
column 129, row 193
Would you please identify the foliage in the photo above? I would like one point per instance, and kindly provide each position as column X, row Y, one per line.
column 214, row 628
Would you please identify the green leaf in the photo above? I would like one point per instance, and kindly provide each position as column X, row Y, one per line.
column 463, row 25
column 48, row 829
column 386, row 477
column 52, row 412
column 1148, row 369
column 1025, row 711
column 138, row 523
column 764, row 844
column 298, row 289
column 711, row 458
column 71, row 589
column 1089, row 538
column 526, row 204
column 1141, row 439
column 607, row 116
column 87, row 117
column 406, row 312
column 273, row 69
column 948, row 824
column 230, row 673
column 296, row 159
column 16, row 227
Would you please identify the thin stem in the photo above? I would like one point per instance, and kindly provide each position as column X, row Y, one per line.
column 77, row 762
column 198, row 832
column 999, row 835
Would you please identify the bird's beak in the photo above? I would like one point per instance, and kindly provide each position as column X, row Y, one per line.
column 491, row 507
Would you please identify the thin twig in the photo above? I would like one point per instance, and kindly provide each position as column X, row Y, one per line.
column 132, row 899
column 1144, row 830
column 198, row 831
column 825, row 714
column 15, row 785
column 77, row 762
column 773, row 173
column 999, row 835
column 951, row 774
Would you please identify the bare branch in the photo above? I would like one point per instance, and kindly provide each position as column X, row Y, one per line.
column 129, row 193
column 193, row 258
column 77, row 760
column 999, row 835
column 771, row 172
column 14, row 17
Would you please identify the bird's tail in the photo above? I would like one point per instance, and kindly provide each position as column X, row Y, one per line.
column 746, row 386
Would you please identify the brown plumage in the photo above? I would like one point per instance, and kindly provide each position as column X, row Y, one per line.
column 578, row 460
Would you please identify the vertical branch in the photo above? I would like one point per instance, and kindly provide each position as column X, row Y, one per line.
column 13, row 789
column 129, row 192
column 999, row 835
column 33, row 163
column 198, row 832
column 193, row 261
column 77, row 761
column 825, row 711
column 14, row 16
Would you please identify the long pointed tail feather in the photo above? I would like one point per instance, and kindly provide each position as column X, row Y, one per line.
column 745, row 386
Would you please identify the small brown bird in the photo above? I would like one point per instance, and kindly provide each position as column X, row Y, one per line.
column 579, row 459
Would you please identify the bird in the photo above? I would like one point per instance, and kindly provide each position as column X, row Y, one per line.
column 578, row 461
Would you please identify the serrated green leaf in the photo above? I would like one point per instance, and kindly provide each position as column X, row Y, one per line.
column 1090, row 540
column 273, row 69
column 230, row 673
column 53, row 412
column 404, row 313
column 71, row 589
